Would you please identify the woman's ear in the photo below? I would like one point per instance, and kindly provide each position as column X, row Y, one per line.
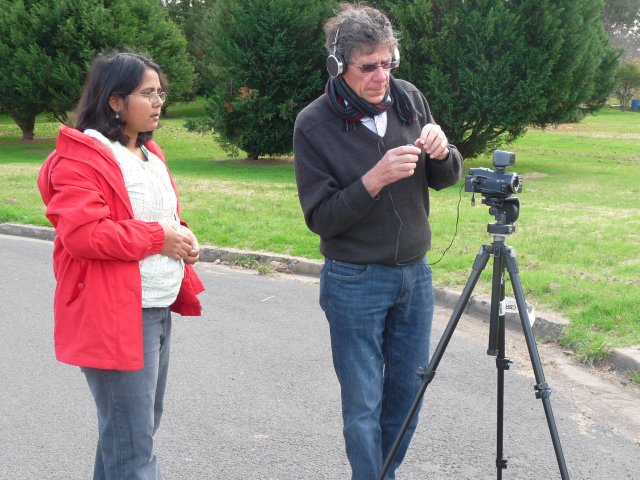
column 116, row 103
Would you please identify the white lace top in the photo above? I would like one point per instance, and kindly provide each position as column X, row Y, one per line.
column 154, row 200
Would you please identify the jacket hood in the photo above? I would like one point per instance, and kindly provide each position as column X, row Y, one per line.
column 76, row 146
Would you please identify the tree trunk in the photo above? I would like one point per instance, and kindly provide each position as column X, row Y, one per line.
column 27, row 124
column 27, row 131
column 253, row 156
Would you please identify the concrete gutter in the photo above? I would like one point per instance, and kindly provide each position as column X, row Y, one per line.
column 547, row 326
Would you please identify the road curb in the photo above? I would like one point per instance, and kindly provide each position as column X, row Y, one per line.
column 547, row 326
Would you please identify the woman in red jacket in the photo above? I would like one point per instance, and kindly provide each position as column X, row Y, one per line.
column 122, row 257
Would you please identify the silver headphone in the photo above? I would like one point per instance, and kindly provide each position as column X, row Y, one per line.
column 335, row 61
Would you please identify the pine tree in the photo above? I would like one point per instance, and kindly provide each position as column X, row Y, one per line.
column 145, row 25
column 582, row 49
column 491, row 68
column 46, row 48
column 190, row 16
column 266, row 63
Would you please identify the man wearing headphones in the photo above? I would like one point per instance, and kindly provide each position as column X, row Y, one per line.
column 366, row 153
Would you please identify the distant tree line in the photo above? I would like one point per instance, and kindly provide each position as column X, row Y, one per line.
column 627, row 83
column 622, row 24
column 489, row 68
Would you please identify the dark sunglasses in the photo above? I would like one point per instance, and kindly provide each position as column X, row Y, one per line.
column 371, row 67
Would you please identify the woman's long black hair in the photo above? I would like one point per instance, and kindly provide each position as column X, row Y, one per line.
column 119, row 74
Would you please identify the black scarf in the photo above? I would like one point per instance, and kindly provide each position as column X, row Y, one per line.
column 350, row 106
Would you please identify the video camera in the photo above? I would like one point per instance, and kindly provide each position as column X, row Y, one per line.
column 498, row 184
column 497, row 187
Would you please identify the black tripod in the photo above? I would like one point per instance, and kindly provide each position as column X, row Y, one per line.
column 506, row 212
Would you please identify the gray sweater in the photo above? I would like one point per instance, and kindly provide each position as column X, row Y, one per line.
column 330, row 160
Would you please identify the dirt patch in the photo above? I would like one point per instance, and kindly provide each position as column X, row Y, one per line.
column 559, row 127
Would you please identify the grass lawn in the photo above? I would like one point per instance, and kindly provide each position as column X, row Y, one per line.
column 577, row 238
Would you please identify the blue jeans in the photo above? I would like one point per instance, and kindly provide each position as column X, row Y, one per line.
column 129, row 406
column 380, row 323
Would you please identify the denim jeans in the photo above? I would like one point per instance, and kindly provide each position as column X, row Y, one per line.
column 380, row 324
column 129, row 406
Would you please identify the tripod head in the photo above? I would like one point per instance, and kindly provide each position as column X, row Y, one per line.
column 505, row 211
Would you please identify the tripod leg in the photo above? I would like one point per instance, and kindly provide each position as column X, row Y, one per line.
column 502, row 364
column 427, row 374
column 497, row 297
column 542, row 389
column 497, row 347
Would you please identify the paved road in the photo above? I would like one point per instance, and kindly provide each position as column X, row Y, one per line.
column 252, row 394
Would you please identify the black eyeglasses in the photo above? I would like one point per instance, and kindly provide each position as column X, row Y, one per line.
column 371, row 67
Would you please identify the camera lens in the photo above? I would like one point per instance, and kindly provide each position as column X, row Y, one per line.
column 516, row 183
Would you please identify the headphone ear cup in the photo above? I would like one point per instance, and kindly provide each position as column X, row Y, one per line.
column 396, row 57
column 335, row 64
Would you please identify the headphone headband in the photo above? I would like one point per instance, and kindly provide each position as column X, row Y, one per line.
column 335, row 40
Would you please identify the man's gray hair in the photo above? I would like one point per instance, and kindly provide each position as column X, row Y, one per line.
column 361, row 31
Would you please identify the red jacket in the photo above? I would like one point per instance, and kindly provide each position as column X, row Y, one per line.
column 98, row 298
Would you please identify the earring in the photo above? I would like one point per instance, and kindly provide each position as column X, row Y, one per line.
column 117, row 116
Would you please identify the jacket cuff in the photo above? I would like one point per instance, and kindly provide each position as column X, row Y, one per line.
column 361, row 198
column 157, row 239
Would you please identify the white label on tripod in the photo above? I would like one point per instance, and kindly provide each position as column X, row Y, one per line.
column 532, row 314
column 509, row 305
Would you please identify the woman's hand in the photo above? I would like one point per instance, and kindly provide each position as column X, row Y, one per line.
column 177, row 245
column 194, row 253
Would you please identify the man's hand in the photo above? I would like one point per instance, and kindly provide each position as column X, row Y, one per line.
column 433, row 141
column 397, row 163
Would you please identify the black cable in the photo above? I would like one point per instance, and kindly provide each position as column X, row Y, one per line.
column 456, row 232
